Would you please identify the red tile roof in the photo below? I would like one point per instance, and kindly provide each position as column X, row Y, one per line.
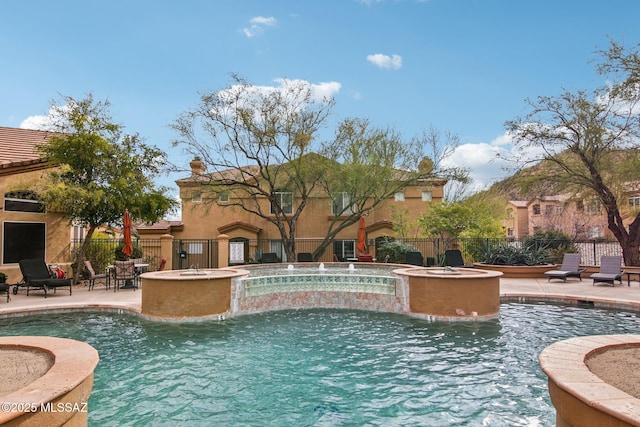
column 18, row 146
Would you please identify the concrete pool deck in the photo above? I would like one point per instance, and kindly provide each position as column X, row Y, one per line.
column 511, row 290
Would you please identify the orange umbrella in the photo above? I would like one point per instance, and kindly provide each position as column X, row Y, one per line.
column 362, row 236
column 127, row 248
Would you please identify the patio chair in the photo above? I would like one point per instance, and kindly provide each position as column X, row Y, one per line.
column 570, row 268
column 270, row 258
column 93, row 276
column 36, row 275
column 453, row 258
column 305, row 257
column 125, row 273
column 414, row 258
column 610, row 270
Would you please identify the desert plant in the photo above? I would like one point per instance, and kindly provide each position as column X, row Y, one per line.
column 556, row 243
column 509, row 254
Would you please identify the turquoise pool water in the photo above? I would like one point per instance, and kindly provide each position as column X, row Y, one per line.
column 324, row 367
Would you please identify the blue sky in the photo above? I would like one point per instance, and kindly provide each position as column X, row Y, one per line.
column 461, row 66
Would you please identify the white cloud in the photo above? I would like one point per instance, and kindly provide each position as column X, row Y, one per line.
column 385, row 61
column 318, row 90
column 45, row 122
column 261, row 20
column 258, row 23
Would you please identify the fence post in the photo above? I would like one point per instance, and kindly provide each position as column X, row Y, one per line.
column 223, row 251
column 166, row 250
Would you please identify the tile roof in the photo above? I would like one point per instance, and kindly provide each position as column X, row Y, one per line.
column 18, row 146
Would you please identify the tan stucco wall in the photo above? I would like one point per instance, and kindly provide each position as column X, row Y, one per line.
column 185, row 298
column 455, row 296
column 57, row 228
column 202, row 220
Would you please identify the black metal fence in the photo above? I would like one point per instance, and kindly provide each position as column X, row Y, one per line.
column 203, row 253
column 103, row 252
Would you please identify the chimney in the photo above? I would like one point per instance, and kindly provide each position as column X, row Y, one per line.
column 197, row 167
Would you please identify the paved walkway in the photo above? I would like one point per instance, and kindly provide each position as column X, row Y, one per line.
column 606, row 296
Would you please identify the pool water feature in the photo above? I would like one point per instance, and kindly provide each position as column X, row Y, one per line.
column 324, row 367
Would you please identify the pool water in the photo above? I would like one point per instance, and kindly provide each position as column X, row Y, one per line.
column 324, row 367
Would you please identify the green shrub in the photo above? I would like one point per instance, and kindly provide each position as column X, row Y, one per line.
column 396, row 251
column 137, row 252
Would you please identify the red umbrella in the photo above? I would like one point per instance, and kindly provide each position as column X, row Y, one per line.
column 127, row 248
column 362, row 236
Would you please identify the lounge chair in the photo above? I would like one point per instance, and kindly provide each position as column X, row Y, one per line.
column 305, row 257
column 610, row 270
column 270, row 258
column 125, row 272
column 93, row 276
column 570, row 268
column 453, row 258
column 36, row 274
column 414, row 258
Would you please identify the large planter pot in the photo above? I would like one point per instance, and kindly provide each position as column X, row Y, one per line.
column 518, row 271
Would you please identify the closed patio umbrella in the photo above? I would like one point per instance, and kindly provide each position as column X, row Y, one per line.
column 361, row 245
column 127, row 247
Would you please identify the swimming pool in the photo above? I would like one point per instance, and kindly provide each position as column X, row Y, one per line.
column 324, row 367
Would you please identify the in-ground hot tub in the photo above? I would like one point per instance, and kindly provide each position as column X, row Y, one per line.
column 180, row 294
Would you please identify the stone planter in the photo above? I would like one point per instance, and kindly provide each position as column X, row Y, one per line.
column 518, row 271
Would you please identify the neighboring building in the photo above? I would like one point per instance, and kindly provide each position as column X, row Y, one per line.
column 27, row 230
column 202, row 220
column 516, row 220
column 578, row 218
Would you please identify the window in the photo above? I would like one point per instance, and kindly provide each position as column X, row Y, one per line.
column 223, row 197
column 536, row 209
column 237, row 251
column 634, row 201
column 341, row 205
column 510, row 213
column 399, row 197
column 22, row 201
column 284, row 200
column 344, row 249
column 595, row 232
column 548, row 209
column 593, row 206
column 510, row 232
column 559, row 210
column 196, row 197
column 426, row 196
column 23, row 240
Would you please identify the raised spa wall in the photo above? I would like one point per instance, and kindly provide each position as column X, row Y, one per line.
column 61, row 395
column 461, row 294
column 581, row 398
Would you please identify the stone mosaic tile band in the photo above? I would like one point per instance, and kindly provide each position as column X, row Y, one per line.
column 319, row 283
